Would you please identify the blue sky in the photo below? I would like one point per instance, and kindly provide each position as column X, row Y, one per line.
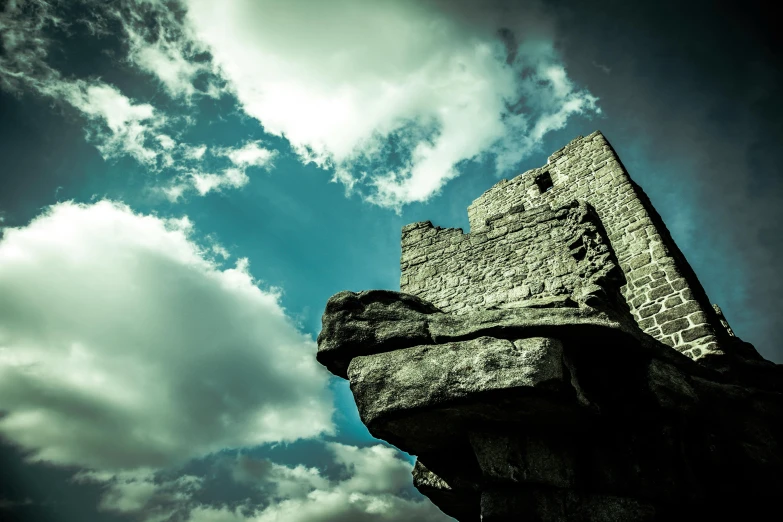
column 185, row 183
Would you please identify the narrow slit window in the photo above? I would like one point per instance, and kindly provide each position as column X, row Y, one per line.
column 544, row 182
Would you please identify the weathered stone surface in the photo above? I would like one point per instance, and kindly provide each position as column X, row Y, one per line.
column 516, row 369
column 393, row 388
column 536, row 257
column 374, row 321
column 588, row 169
column 462, row 503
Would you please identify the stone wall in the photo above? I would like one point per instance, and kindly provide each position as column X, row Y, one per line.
column 662, row 291
column 518, row 258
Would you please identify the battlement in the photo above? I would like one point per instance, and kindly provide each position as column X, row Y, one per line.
column 511, row 255
column 520, row 258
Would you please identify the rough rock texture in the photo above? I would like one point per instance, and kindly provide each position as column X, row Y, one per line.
column 523, row 377
column 664, row 294
column 538, row 254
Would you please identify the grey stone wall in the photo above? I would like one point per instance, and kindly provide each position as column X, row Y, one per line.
column 662, row 291
column 517, row 258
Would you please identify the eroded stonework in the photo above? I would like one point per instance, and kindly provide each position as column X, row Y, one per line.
column 561, row 361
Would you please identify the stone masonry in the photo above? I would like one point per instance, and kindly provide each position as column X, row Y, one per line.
column 519, row 258
column 661, row 289
column 562, row 362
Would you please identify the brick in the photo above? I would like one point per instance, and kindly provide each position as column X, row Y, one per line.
column 644, row 324
column 672, row 301
column 639, row 261
column 674, row 326
column 650, row 310
column 696, row 332
column 659, row 252
column 698, row 318
column 680, row 311
column 660, row 291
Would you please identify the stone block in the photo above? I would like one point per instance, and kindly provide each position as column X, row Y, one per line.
column 672, row 301
column 650, row 310
column 660, row 291
column 674, row 326
column 419, row 377
column 679, row 311
column 696, row 332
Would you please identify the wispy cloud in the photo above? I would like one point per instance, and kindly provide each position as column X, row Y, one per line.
column 229, row 164
column 162, row 46
column 118, row 125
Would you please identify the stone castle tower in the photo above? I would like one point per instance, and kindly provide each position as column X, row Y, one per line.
column 561, row 361
column 459, row 272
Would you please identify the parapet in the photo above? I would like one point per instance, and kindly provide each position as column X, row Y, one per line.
column 519, row 258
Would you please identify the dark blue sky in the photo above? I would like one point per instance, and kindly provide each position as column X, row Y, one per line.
column 689, row 96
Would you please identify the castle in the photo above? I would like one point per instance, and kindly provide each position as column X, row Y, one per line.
column 561, row 361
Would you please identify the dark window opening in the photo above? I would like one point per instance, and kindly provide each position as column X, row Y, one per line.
column 544, row 182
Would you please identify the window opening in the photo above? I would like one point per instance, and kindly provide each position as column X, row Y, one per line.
column 544, row 182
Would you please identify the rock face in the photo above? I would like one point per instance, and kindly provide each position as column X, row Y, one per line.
column 517, row 368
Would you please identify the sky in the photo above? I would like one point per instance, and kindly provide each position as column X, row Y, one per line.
column 185, row 183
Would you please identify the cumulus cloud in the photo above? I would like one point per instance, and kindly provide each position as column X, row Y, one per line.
column 361, row 484
column 372, row 488
column 352, row 84
column 122, row 346
column 140, row 495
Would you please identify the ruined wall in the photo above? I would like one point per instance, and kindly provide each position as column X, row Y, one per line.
column 518, row 258
column 663, row 293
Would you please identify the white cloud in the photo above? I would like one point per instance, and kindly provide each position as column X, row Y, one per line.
column 371, row 490
column 371, row 483
column 205, row 183
column 122, row 347
column 167, row 63
column 195, row 152
column 392, row 95
column 164, row 49
column 251, row 154
column 344, row 81
column 24, row 42
column 116, row 124
column 139, row 494
column 122, row 127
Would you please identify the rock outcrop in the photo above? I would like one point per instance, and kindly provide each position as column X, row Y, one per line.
column 555, row 405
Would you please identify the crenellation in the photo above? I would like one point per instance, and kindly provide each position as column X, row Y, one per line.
column 519, row 254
